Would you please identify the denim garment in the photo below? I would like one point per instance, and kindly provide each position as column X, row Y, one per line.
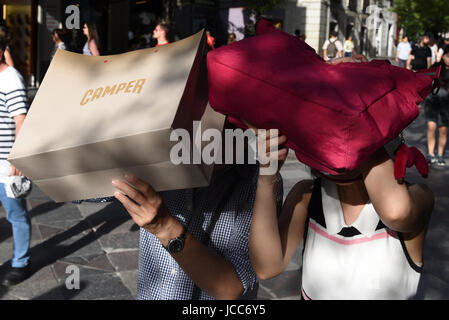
column 17, row 215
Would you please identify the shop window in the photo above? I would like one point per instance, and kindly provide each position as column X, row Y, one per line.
column 18, row 21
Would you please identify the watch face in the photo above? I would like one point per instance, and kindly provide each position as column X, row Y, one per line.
column 175, row 245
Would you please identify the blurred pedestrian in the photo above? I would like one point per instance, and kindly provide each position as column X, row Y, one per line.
column 91, row 47
column 349, row 47
column 297, row 33
column 231, row 38
column 420, row 56
column 13, row 109
column 160, row 34
column 433, row 46
column 436, row 109
column 440, row 51
column 332, row 47
column 210, row 41
column 403, row 52
column 4, row 33
column 57, row 36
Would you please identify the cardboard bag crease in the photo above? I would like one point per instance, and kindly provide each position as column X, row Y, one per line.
column 96, row 118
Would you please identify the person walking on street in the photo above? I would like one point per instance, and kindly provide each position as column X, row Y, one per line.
column 160, row 34
column 433, row 46
column 13, row 109
column 436, row 109
column 403, row 52
column 349, row 47
column 421, row 56
column 440, row 51
column 91, row 47
column 332, row 48
column 57, row 36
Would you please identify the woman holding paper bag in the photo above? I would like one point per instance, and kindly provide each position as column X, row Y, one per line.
column 194, row 242
column 363, row 231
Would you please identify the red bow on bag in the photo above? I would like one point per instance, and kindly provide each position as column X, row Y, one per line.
column 406, row 157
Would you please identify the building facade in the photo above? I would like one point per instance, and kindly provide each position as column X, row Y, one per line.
column 125, row 25
column 370, row 22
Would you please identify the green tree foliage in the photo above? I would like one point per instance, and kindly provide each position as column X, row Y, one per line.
column 261, row 6
column 420, row 16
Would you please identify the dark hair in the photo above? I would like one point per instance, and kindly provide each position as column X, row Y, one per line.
column 4, row 33
column 3, row 45
column 333, row 33
column 164, row 27
column 93, row 33
column 446, row 50
column 422, row 37
column 59, row 32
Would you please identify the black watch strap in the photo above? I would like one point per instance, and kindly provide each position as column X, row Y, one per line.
column 177, row 244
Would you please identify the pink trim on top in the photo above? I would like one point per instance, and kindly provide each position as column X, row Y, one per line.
column 383, row 235
column 304, row 295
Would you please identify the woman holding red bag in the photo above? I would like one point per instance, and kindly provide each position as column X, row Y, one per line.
column 363, row 231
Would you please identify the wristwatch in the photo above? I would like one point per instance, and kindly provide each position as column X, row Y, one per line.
column 177, row 244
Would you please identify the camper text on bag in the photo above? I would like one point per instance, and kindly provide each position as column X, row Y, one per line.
column 134, row 86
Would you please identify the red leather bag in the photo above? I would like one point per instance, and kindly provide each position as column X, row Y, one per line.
column 334, row 116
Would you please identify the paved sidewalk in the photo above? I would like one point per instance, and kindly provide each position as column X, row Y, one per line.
column 434, row 282
column 102, row 241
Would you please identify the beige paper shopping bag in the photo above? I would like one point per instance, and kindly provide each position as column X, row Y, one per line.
column 95, row 118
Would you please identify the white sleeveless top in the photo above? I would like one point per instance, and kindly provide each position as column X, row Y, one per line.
column 86, row 50
column 365, row 260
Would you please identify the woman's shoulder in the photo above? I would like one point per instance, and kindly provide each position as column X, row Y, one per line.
column 12, row 80
column 13, row 73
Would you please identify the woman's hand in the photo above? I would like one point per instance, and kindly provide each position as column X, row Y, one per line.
column 270, row 150
column 146, row 208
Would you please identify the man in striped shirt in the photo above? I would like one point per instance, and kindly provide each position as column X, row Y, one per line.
column 13, row 108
